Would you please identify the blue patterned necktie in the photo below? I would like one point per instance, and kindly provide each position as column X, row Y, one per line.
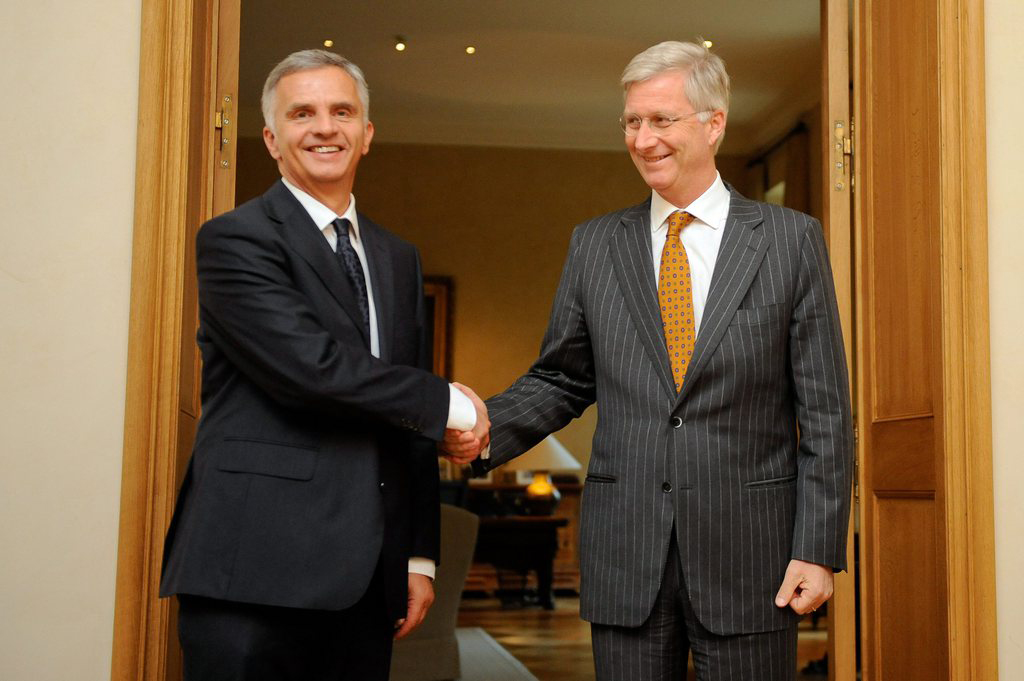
column 349, row 260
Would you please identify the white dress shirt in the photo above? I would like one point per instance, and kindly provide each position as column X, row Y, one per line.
column 701, row 238
column 461, row 412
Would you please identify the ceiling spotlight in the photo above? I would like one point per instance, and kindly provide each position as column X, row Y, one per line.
column 328, row 43
column 708, row 44
column 400, row 43
column 470, row 50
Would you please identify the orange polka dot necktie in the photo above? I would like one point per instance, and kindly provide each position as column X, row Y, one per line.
column 676, row 298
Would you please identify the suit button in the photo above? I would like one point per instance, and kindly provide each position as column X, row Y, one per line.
column 666, row 486
column 382, row 485
column 676, row 422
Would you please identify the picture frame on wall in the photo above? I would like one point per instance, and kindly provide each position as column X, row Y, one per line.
column 437, row 297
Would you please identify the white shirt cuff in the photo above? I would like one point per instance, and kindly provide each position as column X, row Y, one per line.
column 461, row 412
column 485, row 453
column 422, row 566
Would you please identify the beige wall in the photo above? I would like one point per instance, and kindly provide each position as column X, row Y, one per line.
column 1004, row 64
column 497, row 221
column 70, row 84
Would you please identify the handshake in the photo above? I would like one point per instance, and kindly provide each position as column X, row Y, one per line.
column 462, row 446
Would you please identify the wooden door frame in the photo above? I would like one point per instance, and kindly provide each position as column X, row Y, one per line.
column 837, row 208
column 173, row 70
column 967, row 391
column 174, row 31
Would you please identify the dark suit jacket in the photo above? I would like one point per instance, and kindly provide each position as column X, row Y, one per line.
column 311, row 462
column 721, row 461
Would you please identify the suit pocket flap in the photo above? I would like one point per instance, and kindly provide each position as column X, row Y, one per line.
column 277, row 459
column 754, row 315
column 600, row 477
column 772, row 482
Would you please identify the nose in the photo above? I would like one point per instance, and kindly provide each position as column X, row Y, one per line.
column 323, row 123
column 645, row 137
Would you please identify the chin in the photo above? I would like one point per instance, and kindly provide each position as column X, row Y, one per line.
column 658, row 184
column 328, row 177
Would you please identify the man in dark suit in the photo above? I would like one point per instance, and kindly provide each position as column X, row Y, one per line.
column 704, row 326
column 306, row 530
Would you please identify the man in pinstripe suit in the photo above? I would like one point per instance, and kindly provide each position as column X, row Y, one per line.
column 716, row 503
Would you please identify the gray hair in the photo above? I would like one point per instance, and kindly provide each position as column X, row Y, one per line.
column 707, row 83
column 307, row 60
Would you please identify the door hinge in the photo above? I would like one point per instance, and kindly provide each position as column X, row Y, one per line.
column 222, row 125
column 856, row 464
column 848, row 152
column 842, row 156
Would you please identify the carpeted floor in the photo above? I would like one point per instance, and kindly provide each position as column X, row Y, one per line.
column 483, row 659
column 554, row 645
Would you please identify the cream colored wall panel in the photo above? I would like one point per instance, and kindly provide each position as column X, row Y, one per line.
column 70, row 79
column 1004, row 63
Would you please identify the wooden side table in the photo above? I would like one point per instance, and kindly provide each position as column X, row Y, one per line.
column 522, row 544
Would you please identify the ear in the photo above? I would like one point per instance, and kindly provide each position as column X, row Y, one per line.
column 367, row 136
column 271, row 141
column 716, row 126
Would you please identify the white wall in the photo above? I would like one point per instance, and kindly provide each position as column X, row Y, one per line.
column 69, row 79
column 1004, row 65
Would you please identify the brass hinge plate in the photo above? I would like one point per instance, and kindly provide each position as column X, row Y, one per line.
column 221, row 123
column 842, row 156
column 856, row 463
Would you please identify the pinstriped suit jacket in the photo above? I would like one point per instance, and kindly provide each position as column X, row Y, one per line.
column 722, row 460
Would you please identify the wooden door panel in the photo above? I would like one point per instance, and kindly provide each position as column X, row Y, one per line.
column 211, row 189
column 899, row 342
column 898, row 459
column 904, row 537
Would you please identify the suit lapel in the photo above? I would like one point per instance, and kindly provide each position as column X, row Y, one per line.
column 378, row 261
column 302, row 235
column 630, row 249
column 743, row 247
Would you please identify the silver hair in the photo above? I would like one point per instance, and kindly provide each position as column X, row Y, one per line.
column 307, row 60
column 707, row 83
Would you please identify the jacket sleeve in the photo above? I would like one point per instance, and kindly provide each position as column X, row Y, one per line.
column 253, row 312
column 819, row 376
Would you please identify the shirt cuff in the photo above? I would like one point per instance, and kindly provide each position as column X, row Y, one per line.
column 461, row 412
column 485, row 453
column 422, row 566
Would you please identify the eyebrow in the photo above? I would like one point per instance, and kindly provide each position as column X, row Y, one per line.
column 298, row 106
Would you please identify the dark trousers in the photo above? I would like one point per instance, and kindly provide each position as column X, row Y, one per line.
column 657, row 650
column 227, row 641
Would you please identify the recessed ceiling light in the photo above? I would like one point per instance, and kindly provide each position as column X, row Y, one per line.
column 328, row 43
column 708, row 44
column 470, row 49
column 400, row 43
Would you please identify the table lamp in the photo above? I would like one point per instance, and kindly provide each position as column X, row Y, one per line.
column 548, row 455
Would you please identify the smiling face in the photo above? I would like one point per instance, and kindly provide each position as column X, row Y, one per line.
column 679, row 161
column 320, row 133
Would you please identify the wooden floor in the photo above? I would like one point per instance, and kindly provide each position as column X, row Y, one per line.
column 555, row 644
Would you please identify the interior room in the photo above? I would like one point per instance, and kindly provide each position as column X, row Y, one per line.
column 495, row 134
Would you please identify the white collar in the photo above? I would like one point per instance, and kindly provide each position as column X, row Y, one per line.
column 711, row 207
column 321, row 215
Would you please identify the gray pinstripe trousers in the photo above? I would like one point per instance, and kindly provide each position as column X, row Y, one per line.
column 657, row 649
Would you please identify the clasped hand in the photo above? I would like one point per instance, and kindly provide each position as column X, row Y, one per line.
column 462, row 446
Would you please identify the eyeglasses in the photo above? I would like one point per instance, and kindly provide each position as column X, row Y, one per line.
column 632, row 123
